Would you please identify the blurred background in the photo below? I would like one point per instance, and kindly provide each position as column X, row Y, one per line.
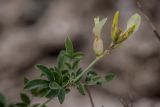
column 34, row 31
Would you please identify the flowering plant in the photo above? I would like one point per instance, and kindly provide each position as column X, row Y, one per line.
column 56, row 81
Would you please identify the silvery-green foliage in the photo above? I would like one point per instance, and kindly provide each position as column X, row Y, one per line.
column 56, row 81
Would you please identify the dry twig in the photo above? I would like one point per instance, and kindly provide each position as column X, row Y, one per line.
column 148, row 19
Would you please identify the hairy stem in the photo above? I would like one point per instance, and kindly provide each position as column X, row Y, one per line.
column 90, row 65
column 47, row 101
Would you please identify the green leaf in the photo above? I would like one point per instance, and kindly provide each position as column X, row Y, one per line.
column 81, row 88
column 52, row 93
column 57, row 76
column 79, row 71
column 134, row 20
column 54, row 85
column 94, row 79
column 61, row 59
column 2, row 101
column 36, row 84
column 110, row 77
column 45, row 71
column 65, row 72
column 90, row 75
column 78, row 55
column 69, row 45
column 65, row 80
column 25, row 98
column 68, row 65
column 39, row 92
column 75, row 64
column 61, row 96
column 97, row 80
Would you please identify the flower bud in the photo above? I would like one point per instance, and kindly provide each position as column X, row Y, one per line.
column 115, row 31
column 98, row 46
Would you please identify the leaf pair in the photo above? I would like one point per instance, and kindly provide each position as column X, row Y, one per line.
column 53, row 89
column 25, row 102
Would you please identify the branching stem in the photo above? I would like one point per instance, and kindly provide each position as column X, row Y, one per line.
column 90, row 65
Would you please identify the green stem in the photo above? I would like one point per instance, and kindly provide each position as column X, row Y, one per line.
column 47, row 101
column 90, row 65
